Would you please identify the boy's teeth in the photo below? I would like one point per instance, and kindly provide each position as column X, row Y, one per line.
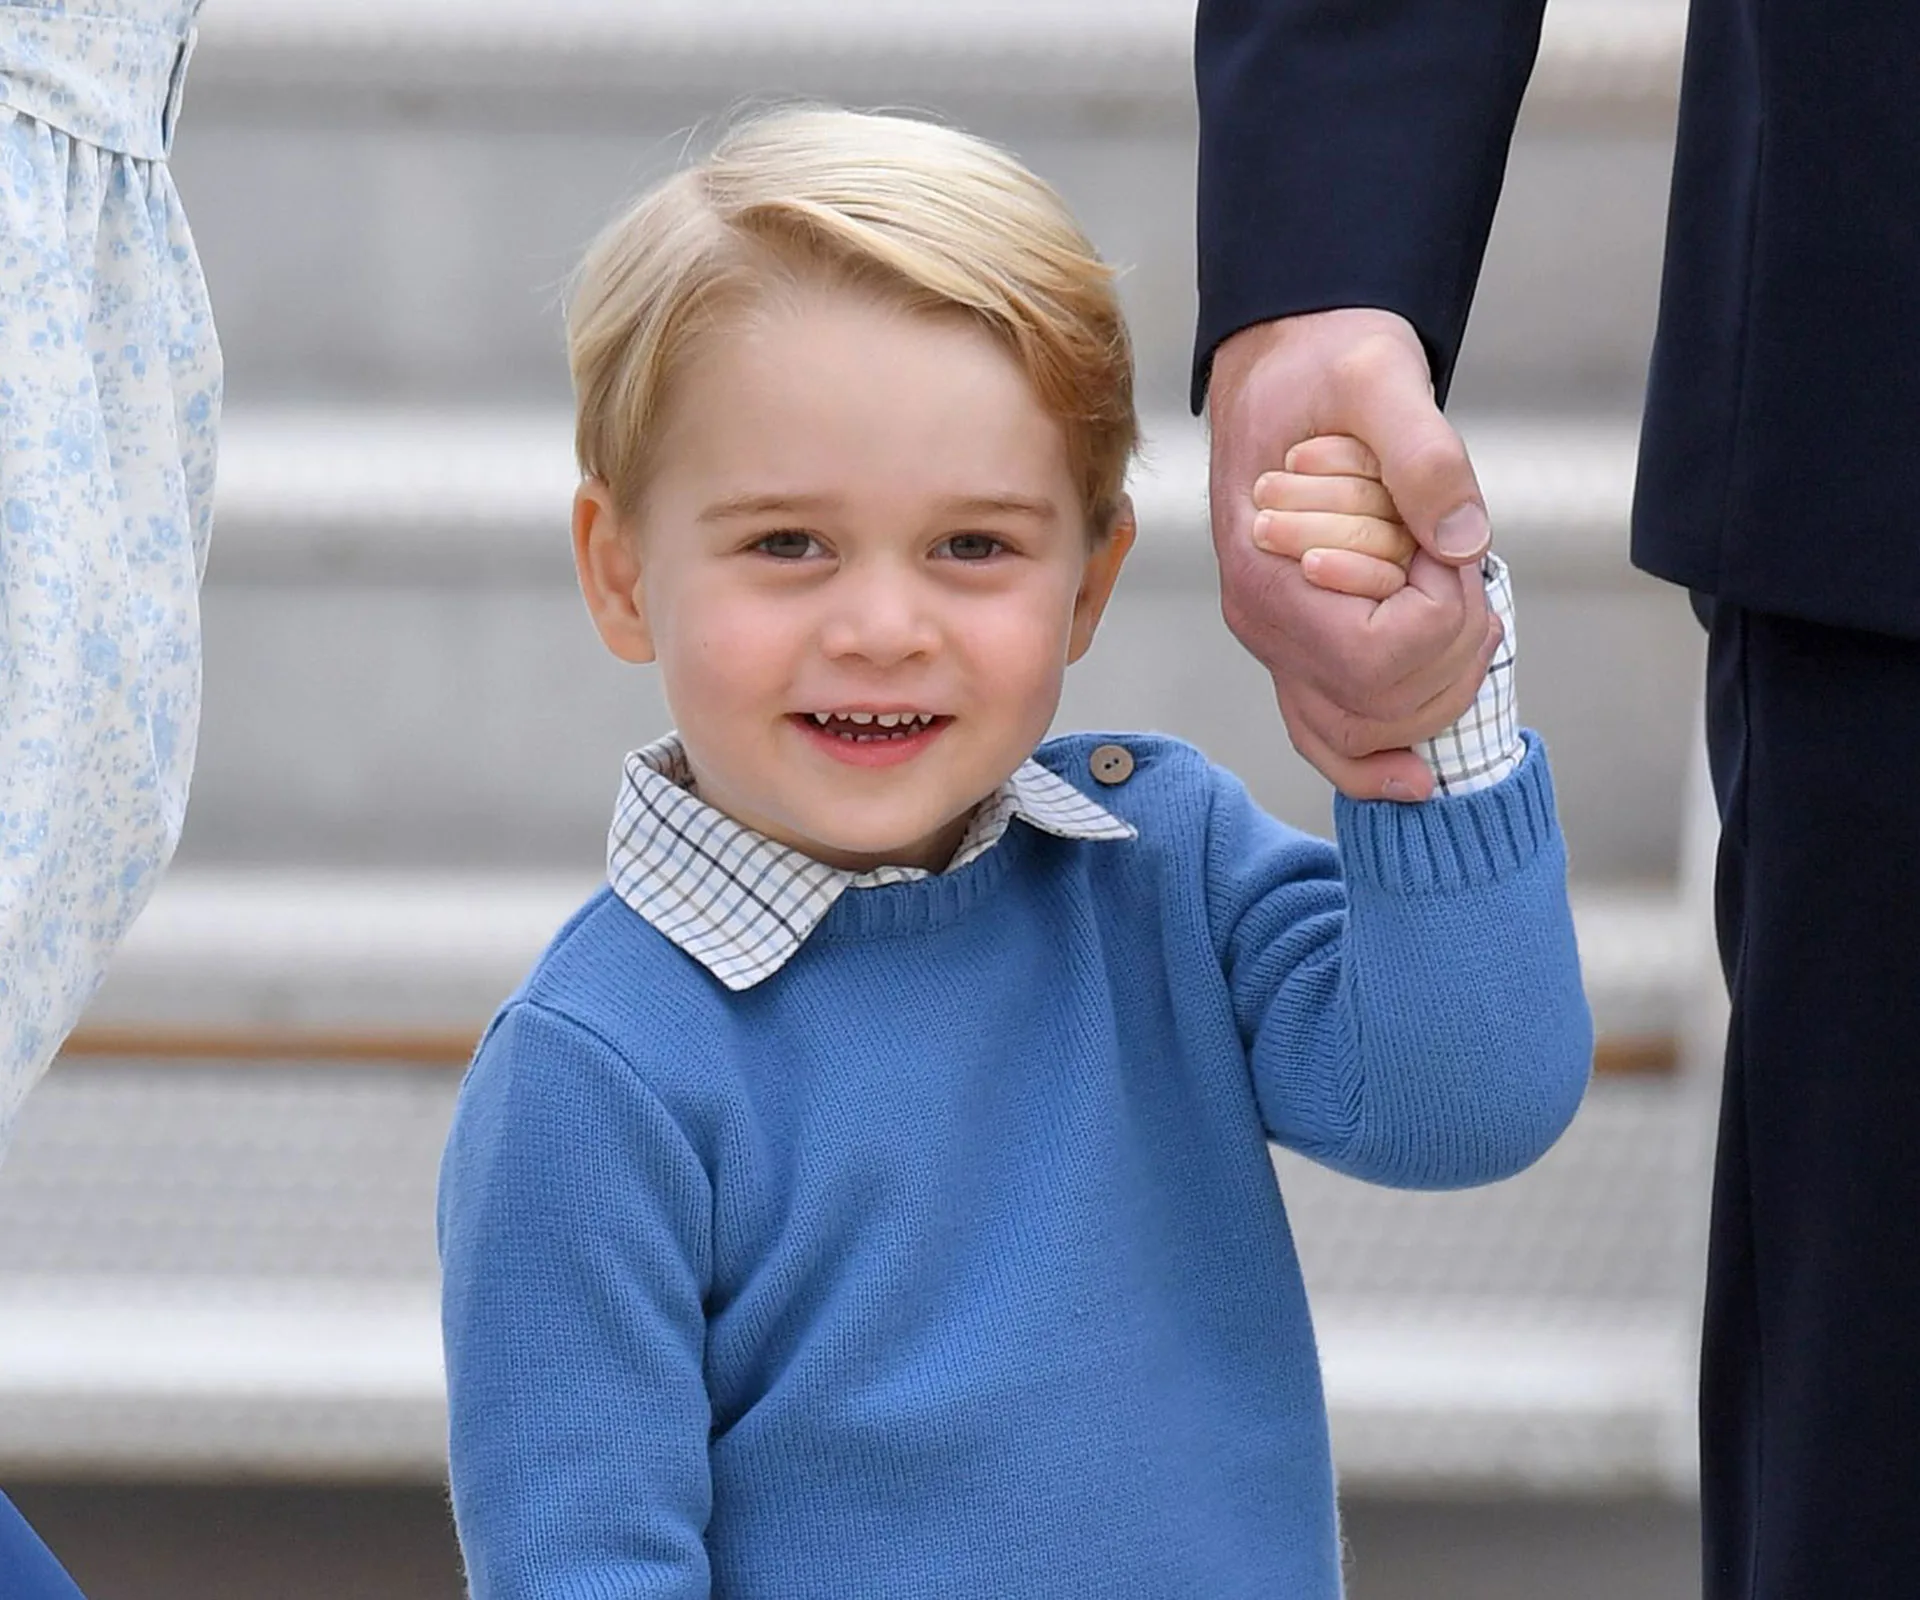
column 910, row 721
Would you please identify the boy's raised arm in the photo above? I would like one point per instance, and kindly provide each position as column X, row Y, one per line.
column 1412, row 1006
column 574, row 1239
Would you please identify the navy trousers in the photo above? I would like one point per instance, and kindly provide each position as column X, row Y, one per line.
column 28, row 1570
column 1810, row 1383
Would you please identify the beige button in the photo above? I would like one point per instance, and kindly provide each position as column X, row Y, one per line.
column 1110, row 763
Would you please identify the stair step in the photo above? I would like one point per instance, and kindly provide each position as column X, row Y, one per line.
column 332, row 1379
column 385, row 493
column 404, row 955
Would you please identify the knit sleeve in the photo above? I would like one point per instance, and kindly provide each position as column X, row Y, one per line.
column 574, row 1228
column 1411, row 1003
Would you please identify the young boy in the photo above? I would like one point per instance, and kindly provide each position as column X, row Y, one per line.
column 868, row 1193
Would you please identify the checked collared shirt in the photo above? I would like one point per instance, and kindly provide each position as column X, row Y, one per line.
column 740, row 903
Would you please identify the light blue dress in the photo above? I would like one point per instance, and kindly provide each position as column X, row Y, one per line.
column 110, row 380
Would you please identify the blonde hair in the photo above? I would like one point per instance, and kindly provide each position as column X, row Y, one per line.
column 922, row 215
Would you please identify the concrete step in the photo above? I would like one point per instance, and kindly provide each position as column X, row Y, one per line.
column 330, row 1381
column 222, row 1269
column 427, row 957
column 179, row 1378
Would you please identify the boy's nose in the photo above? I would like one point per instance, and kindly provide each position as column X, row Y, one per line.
column 883, row 617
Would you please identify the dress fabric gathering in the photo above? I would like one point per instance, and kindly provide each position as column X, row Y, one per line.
column 110, row 389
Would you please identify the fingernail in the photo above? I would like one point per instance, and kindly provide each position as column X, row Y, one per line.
column 1463, row 531
column 1286, row 461
column 1262, row 531
column 1394, row 789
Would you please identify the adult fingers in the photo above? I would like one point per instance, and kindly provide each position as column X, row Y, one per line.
column 1441, row 709
column 1299, row 633
column 1378, row 390
column 1435, row 646
column 1425, row 634
column 1378, row 775
column 1416, row 644
column 1453, row 591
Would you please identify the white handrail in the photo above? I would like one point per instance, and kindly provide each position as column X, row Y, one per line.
column 1591, row 50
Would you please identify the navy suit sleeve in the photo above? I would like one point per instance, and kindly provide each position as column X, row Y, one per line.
column 1351, row 152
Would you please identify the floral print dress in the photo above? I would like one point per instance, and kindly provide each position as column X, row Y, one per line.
column 110, row 378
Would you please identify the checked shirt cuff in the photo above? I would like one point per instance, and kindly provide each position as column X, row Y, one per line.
column 1484, row 745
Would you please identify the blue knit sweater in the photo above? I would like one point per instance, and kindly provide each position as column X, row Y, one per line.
column 949, row 1261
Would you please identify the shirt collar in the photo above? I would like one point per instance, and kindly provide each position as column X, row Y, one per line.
column 741, row 904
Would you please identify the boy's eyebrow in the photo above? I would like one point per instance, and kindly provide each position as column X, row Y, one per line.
column 990, row 504
column 760, row 505
column 974, row 505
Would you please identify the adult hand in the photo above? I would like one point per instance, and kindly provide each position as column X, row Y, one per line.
column 1358, row 681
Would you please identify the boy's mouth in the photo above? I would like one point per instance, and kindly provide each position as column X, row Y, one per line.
column 870, row 738
column 870, row 727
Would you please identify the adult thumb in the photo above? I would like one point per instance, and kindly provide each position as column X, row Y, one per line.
column 1389, row 405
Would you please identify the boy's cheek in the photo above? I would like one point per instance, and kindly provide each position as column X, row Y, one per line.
column 732, row 639
column 1023, row 650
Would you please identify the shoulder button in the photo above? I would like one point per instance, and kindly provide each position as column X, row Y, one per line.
column 1110, row 763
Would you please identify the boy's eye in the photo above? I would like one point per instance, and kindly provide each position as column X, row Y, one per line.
column 974, row 546
column 788, row 544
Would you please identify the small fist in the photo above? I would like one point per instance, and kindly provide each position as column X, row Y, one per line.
column 1329, row 510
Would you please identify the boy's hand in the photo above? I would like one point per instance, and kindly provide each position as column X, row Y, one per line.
column 1329, row 511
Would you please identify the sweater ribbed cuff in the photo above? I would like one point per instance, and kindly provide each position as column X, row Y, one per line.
column 1448, row 844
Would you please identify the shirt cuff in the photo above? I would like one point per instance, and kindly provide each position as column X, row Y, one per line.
column 1484, row 746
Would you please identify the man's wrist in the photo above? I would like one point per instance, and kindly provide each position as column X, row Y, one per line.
column 1236, row 356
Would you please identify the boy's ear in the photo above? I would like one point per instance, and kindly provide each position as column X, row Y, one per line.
column 1103, row 567
column 607, row 557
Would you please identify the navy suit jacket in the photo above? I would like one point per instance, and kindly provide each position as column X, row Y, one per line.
column 1351, row 152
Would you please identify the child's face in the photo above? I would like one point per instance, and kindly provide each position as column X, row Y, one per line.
column 857, row 510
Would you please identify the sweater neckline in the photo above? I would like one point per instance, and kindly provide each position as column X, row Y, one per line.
column 896, row 909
